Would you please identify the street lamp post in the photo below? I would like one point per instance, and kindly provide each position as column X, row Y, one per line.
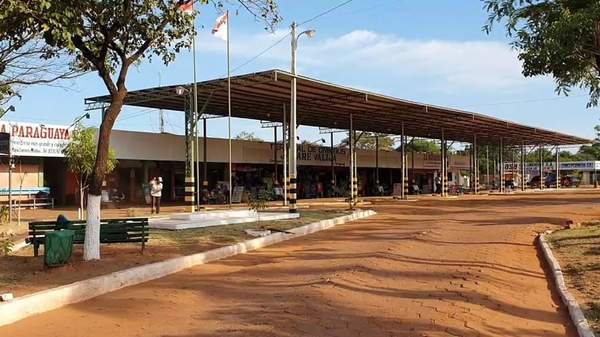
column 78, row 119
column 293, row 143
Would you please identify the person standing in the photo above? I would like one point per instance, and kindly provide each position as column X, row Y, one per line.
column 438, row 184
column 156, row 186
column 319, row 189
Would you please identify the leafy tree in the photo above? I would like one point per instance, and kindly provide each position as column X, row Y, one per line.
column 108, row 37
column 24, row 57
column 591, row 152
column 80, row 155
column 367, row 141
column 245, row 135
column 423, row 146
column 260, row 202
column 557, row 38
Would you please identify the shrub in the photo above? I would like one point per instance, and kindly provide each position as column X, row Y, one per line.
column 6, row 243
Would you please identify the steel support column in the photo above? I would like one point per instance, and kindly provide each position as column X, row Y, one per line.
column 487, row 167
column 523, row 183
column 189, row 193
column 501, row 167
column 332, row 149
column 292, row 188
column 541, row 151
column 557, row 168
column 443, row 176
column 286, row 180
column 475, row 166
column 355, row 170
column 471, row 176
column 377, row 162
column 404, row 175
column 351, row 148
column 198, row 191
column 275, row 160
column 495, row 168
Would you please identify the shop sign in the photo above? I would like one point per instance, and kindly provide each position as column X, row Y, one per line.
column 551, row 166
column 306, row 152
column 431, row 164
column 581, row 165
column 36, row 140
column 319, row 153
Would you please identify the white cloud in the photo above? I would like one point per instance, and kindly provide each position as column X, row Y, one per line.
column 449, row 66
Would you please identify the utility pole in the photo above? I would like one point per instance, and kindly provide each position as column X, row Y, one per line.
column 293, row 114
column 10, row 202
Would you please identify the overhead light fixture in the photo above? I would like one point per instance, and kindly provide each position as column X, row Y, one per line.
column 180, row 91
column 310, row 33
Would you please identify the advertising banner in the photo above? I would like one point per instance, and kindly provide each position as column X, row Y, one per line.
column 35, row 139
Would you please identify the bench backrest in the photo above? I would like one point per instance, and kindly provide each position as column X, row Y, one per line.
column 111, row 230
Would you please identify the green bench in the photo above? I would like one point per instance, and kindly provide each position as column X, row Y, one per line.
column 111, row 231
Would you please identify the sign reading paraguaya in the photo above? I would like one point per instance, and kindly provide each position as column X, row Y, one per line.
column 36, row 140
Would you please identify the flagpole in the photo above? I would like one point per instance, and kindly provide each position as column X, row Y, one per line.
column 195, row 121
column 229, row 110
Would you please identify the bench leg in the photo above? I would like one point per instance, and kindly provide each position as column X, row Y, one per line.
column 36, row 248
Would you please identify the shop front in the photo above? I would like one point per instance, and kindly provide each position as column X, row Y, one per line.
column 257, row 166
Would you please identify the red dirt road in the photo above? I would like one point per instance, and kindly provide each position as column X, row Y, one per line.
column 427, row 268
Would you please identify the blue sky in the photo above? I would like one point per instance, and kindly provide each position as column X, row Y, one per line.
column 430, row 51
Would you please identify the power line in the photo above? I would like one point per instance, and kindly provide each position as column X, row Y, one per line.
column 136, row 114
column 264, row 51
column 326, row 12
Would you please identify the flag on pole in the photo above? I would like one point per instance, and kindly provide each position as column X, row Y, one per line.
column 220, row 28
column 186, row 6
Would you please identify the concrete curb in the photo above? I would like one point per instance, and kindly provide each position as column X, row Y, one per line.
column 583, row 328
column 18, row 245
column 54, row 298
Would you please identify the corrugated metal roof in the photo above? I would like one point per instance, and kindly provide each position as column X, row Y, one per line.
column 262, row 95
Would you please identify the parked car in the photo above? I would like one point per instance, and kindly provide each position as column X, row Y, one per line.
column 534, row 182
column 510, row 184
column 550, row 181
column 565, row 181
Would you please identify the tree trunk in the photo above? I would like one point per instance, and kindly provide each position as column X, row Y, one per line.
column 81, row 196
column 91, row 246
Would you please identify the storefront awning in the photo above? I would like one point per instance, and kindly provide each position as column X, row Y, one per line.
column 263, row 95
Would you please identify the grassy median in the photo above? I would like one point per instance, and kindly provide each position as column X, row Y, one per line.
column 578, row 252
column 219, row 235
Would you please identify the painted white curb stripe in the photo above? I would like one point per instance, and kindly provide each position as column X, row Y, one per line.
column 46, row 300
column 19, row 245
column 583, row 328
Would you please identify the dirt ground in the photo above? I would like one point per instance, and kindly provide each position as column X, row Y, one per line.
column 456, row 267
column 21, row 273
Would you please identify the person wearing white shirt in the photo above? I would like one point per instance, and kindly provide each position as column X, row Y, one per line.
column 156, row 186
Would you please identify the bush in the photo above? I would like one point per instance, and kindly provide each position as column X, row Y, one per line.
column 4, row 214
column 6, row 243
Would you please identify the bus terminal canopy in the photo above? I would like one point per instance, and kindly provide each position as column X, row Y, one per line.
column 265, row 95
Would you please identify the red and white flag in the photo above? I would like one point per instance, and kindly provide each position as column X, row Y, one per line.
column 186, row 6
column 220, row 28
